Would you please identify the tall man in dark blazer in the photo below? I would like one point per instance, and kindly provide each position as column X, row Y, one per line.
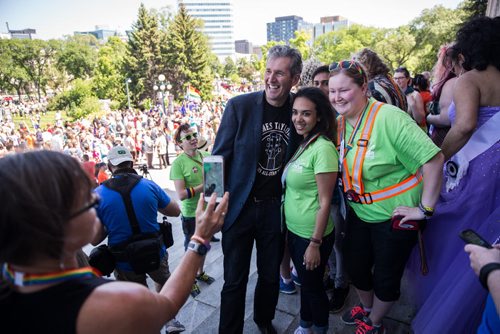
column 256, row 138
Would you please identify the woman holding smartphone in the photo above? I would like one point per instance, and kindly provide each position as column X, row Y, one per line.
column 310, row 177
column 187, row 174
column 383, row 156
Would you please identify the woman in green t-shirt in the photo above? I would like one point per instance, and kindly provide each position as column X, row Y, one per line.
column 187, row 174
column 310, row 178
column 384, row 155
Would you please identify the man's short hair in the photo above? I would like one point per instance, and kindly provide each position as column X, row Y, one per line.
column 278, row 51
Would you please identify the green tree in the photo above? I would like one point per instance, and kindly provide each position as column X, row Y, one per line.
column 301, row 42
column 33, row 57
column 473, row 8
column 433, row 28
column 78, row 56
column 341, row 44
column 188, row 55
column 109, row 77
column 229, row 67
column 13, row 76
column 245, row 69
column 397, row 47
column 144, row 61
column 78, row 102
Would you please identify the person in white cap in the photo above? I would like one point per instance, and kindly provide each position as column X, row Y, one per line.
column 128, row 199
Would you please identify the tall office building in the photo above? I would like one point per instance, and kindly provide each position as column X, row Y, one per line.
column 218, row 18
column 330, row 23
column 284, row 27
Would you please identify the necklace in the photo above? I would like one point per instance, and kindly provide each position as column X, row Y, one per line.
column 18, row 278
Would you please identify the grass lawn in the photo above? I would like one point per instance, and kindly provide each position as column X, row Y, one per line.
column 48, row 118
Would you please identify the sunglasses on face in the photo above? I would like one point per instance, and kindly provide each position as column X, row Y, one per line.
column 94, row 204
column 189, row 136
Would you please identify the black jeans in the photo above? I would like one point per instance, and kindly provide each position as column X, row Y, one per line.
column 259, row 221
column 376, row 255
column 313, row 297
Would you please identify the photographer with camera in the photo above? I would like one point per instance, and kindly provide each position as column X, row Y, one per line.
column 128, row 213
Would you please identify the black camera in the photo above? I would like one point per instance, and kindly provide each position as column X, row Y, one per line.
column 144, row 169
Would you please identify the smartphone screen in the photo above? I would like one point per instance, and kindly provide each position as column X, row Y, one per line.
column 471, row 237
column 213, row 176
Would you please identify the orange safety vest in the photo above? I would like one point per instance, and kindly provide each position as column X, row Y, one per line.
column 353, row 184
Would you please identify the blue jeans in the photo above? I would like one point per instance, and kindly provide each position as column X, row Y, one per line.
column 259, row 221
column 313, row 297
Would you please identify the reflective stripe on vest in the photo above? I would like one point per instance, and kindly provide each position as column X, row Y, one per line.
column 353, row 186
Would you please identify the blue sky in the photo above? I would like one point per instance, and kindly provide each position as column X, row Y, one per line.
column 55, row 18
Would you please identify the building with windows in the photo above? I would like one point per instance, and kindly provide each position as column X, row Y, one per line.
column 243, row 46
column 284, row 27
column 217, row 16
column 329, row 23
column 20, row 33
column 100, row 32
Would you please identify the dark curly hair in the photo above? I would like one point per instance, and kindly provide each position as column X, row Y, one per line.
column 324, row 112
column 372, row 63
column 420, row 82
column 478, row 41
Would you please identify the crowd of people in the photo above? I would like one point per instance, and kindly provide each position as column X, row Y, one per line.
column 353, row 176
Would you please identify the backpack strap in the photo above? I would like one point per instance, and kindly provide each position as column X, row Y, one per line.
column 124, row 185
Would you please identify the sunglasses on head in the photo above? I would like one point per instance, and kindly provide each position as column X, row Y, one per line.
column 345, row 64
column 189, row 136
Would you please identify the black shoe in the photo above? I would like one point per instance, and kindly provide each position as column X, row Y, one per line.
column 337, row 303
column 214, row 239
column 268, row 329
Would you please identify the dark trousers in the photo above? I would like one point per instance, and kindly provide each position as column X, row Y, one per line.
column 376, row 256
column 259, row 221
column 313, row 297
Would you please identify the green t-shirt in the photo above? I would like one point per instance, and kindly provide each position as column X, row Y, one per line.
column 397, row 149
column 301, row 195
column 191, row 171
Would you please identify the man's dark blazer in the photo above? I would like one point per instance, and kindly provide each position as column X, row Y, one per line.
column 239, row 140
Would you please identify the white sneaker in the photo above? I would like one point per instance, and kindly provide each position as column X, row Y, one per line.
column 174, row 326
column 302, row 330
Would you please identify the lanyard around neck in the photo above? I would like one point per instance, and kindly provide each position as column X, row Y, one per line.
column 25, row 279
column 192, row 158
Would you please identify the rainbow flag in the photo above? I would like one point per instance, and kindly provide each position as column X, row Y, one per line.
column 193, row 94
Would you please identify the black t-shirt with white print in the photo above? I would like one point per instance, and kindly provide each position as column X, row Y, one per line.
column 274, row 142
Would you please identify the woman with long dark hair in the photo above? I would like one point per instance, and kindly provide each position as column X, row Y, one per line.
column 309, row 179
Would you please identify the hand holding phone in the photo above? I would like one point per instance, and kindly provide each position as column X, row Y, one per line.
column 409, row 225
column 471, row 237
column 213, row 177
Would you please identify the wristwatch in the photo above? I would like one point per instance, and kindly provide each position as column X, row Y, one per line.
column 198, row 247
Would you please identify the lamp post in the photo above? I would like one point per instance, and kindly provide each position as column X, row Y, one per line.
column 161, row 87
column 127, row 81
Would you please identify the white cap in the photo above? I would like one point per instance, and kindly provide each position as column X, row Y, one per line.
column 119, row 154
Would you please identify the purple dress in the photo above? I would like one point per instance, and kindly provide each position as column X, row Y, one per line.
column 450, row 298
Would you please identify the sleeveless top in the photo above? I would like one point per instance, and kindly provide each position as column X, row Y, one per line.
column 52, row 310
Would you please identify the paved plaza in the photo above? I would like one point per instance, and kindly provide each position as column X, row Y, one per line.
column 201, row 314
